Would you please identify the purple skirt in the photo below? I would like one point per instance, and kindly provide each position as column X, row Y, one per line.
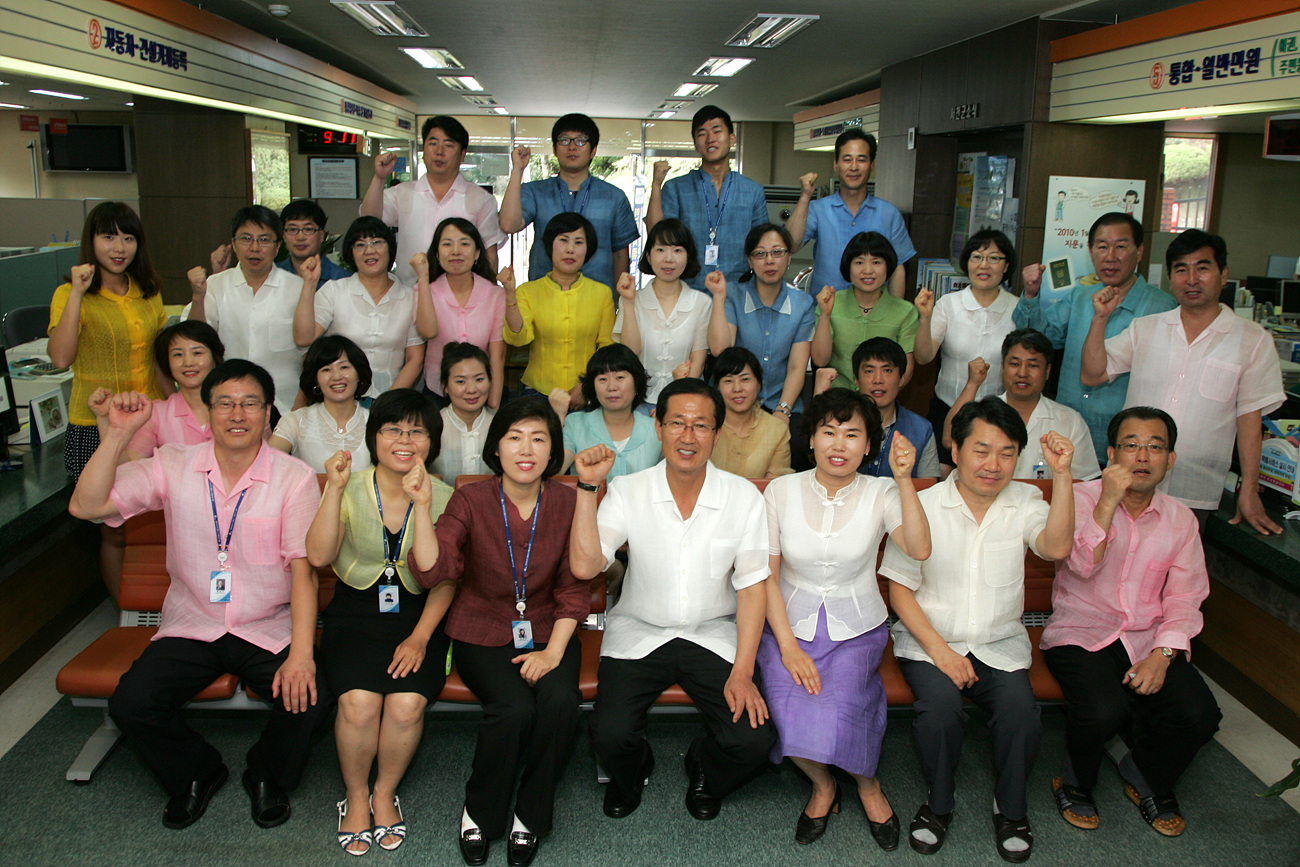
column 845, row 724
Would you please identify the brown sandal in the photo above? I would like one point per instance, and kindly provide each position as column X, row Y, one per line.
column 1068, row 797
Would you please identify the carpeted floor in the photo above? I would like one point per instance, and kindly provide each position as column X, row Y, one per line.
column 115, row 820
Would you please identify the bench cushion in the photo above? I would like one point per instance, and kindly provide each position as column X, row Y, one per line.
column 95, row 672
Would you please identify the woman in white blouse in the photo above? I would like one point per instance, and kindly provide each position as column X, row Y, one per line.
column 467, row 382
column 371, row 308
column 827, row 624
column 334, row 371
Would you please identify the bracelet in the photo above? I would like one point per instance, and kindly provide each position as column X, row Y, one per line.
column 583, row 486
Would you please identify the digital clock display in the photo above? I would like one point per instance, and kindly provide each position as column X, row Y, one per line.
column 315, row 140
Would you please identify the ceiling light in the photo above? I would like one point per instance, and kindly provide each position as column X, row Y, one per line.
column 4, row 84
column 672, row 106
column 770, row 29
column 482, row 100
column 433, row 58
column 663, row 115
column 129, row 104
column 500, row 109
column 59, row 94
column 461, row 83
column 11, row 105
column 381, row 17
column 723, row 67
column 693, row 89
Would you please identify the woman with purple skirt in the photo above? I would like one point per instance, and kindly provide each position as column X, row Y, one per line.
column 826, row 621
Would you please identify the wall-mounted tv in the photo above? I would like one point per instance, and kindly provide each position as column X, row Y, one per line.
column 88, row 147
column 1282, row 137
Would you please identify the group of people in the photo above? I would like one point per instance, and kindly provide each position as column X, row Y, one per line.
column 764, row 606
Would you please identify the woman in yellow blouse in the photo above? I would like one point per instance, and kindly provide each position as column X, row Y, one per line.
column 752, row 442
column 564, row 315
column 102, row 325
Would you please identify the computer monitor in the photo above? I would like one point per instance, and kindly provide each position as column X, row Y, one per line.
column 1288, row 303
column 1228, row 294
column 1265, row 289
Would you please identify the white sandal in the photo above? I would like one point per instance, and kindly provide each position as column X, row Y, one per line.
column 346, row 838
column 397, row 830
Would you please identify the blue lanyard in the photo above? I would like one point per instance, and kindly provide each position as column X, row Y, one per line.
column 705, row 185
column 390, row 559
column 520, row 581
column 565, row 195
column 222, row 550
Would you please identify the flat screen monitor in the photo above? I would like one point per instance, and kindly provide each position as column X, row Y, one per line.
column 1289, row 298
column 1282, row 137
column 1265, row 289
column 1228, row 294
column 87, row 147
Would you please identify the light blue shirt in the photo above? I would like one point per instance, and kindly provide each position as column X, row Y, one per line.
column 328, row 270
column 601, row 202
column 582, row 430
column 693, row 199
column 1066, row 323
column 832, row 226
column 770, row 332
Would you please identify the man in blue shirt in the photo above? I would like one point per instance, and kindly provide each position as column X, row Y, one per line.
column 1115, row 244
column 718, row 205
column 304, row 234
column 574, row 138
column 832, row 220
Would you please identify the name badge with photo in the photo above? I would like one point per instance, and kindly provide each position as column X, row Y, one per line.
column 219, row 586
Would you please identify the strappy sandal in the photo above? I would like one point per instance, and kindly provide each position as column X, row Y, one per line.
column 1153, row 809
column 927, row 820
column 1069, row 797
column 1005, row 829
column 346, row 838
column 397, row 829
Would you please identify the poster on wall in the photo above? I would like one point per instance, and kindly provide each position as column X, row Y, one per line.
column 1073, row 205
column 984, row 200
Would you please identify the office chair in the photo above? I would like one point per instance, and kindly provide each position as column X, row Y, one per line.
column 23, row 324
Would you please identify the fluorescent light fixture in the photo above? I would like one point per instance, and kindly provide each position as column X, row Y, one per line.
column 433, row 58
column 694, row 89
column 381, row 17
column 663, row 115
column 4, row 84
column 770, row 29
column 1196, row 112
column 462, row 83
column 59, row 94
column 723, row 67
column 500, row 109
column 672, row 106
column 482, row 100
column 129, row 104
column 11, row 105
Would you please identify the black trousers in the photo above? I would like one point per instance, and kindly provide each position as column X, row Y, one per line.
column 730, row 755
column 524, row 727
column 146, row 707
column 1164, row 730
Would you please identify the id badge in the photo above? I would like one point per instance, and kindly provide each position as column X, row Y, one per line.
column 219, row 586
column 711, row 254
column 388, row 599
column 522, row 630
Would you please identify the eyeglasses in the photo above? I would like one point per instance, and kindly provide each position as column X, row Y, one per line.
column 393, row 432
column 778, row 253
column 992, row 258
column 301, row 230
column 565, row 141
column 368, row 244
column 247, row 240
column 699, row 428
column 1153, row 449
column 225, row 405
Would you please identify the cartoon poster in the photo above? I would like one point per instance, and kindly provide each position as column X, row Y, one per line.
column 1073, row 205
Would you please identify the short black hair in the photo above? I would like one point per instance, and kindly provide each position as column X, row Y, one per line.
column 324, row 351
column 578, row 123
column 187, row 329
column 456, row 352
column 671, row 232
column 879, row 349
column 1142, row 413
column 1192, row 240
column 304, row 209
column 451, row 128
column 614, row 358
column 1034, row 341
column 570, row 221
column 690, row 385
column 369, row 227
column 732, row 361
column 707, row 113
column 237, row 368
column 1117, row 218
column 841, row 404
column 989, row 238
column 515, row 411
column 869, row 244
column 404, row 404
column 755, row 237
column 855, row 134
column 481, row 266
column 996, row 412
column 258, row 215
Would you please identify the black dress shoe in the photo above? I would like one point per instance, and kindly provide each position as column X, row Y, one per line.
column 619, row 805
column 886, row 833
column 810, row 829
column 186, row 809
column 473, row 847
column 521, row 848
column 270, row 802
column 699, row 802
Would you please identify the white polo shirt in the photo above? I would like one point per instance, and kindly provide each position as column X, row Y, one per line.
column 413, row 209
column 1049, row 416
column 969, row 331
column 383, row 330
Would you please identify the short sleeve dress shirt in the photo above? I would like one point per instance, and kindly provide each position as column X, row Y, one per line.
column 413, row 209
column 771, row 332
column 582, row 430
column 832, row 226
column 604, row 204
column 693, row 198
column 668, row 340
column 565, row 328
column 314, row 436
column 360, row 561
column 891, row 317
column 462, row 446
column 478, row 322
column 1049, row 416
column 967, row 331
column 383, row 330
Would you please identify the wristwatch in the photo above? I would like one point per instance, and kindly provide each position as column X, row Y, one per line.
column 1169, row 652
column 785, row 408
column 583, row 486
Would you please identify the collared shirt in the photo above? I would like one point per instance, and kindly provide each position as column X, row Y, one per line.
column 966, row 331
column 1146, row 591
column 682, row 575
column 259, row 325
column 1229, row 370
column 918, row 431
column 1049, row 416
column 604, row 204
column 462, row 445
column 270, row 532
column 114, row 344
column 314, row 436
column 328, row 270
column 360, row 561
column 693, row 199
column 582, row 430
column 832, row 226
column 479, row 322
column 172, row 421
column 891, row 317
column 667, row 341
column 384, row 331
column 412, row 208
column 1066, row 324
column 972, row 588
column 762, row 451
column 771, row 332
column 565, row 328
column 828, row 547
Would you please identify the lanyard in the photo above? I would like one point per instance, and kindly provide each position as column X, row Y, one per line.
column 520, row 581
column 565, row 195
column 390, row 559
column 705, row 184
column 222, row 550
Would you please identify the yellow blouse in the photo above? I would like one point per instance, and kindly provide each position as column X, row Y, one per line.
column 565, row 329
column 360, row 562
column 114, row 344
column 764, row 450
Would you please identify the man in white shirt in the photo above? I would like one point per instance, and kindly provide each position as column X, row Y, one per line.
column 1212, row 371
column 252, row 306
column 959, row 633
column 692, row 606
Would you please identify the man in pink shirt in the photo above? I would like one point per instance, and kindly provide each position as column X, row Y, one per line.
column 1125, row 607
column 242, row 598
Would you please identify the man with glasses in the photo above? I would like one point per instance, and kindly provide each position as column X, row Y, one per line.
column 242, row 599
column 1125, row 607
column 574, row 138
column 304, row 233
column 692, row 605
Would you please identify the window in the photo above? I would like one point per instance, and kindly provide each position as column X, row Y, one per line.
column 1188, row 182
